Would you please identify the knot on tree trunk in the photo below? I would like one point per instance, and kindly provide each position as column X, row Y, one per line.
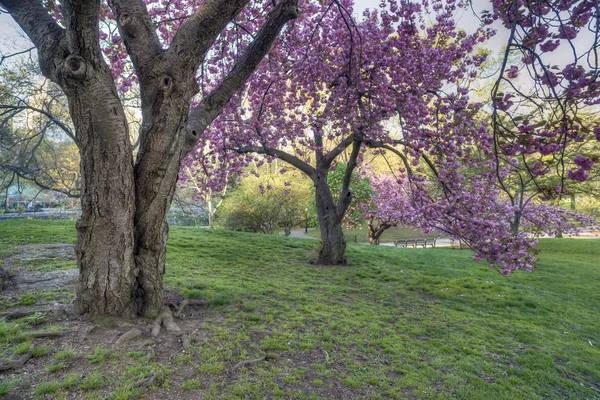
column 75, row 67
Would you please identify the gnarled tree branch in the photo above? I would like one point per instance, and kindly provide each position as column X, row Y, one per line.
column 137, row 32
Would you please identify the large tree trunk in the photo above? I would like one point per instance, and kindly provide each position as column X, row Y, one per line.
column 122, row 233
column 333, row 243
column 105, row 229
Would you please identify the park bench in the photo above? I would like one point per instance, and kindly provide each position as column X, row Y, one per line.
column 414, row 243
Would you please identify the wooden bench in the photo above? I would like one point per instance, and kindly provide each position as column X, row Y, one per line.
column 414, row 243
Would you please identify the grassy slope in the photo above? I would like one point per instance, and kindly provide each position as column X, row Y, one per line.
column 398, row 323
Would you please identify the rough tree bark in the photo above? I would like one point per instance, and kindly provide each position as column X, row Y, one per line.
column 123, row 229
column 333, row 243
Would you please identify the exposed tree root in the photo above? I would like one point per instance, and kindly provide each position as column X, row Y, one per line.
column 15, row 364
column 50, row 335
column 248, row 362
column 150, row 355
column 164, row 318
column 16, row 315
column 129, row 335
column 87, row 331
column 186, row 341
column 145, row 343
column 146, row 381
column 184, row 304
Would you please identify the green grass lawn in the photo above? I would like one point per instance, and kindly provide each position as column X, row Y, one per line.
column 397, row 323
column 357, row 235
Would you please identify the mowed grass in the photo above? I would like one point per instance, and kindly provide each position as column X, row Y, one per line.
column 396, row 323
column 358, row 235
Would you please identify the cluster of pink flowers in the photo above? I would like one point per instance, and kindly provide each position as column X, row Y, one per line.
column 556, row 97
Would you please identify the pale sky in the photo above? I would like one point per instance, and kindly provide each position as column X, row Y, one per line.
column 11, row 38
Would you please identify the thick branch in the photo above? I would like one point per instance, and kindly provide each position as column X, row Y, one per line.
column 346, row 195
column 83, row 29
column 195, row 37
column 137, row 31
column 328, row 159
column 405, row 161
column 212, row 105
column 66, row 129
column 287, row 157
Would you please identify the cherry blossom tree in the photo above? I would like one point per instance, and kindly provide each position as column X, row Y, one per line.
column 123, row 229
column 390, row 205
column 325, row 93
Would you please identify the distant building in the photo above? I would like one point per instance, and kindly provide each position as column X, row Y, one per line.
column 29, row 197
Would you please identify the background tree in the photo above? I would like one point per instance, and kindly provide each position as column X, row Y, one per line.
column 36, row 136
column 390, row 205
column 265, row 203
column 123, row 228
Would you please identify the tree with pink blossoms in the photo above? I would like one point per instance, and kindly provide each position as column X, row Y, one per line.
column 541, row 104
column 326, row 92
column 390, row 205
column 122, row 233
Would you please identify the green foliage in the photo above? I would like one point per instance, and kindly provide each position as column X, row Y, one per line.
column 191, row 384
column 65, row 354
column 100, row 355
column 39, row 351
column 47, row 388
column 92, row 381
column 55, row 367
column 262, row 204
column 23, row 348
column 6, row 386
column 27, row 300
column 212, row 369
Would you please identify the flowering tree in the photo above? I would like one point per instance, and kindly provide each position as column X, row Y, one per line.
column 324, row 95
column 541, row 106
column 123, row 229
column 389, row 206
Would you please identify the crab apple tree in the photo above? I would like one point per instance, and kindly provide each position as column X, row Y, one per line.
column 122, row 233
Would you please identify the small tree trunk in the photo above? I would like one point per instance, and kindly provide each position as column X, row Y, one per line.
column 373, row 237
column 333, row 243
